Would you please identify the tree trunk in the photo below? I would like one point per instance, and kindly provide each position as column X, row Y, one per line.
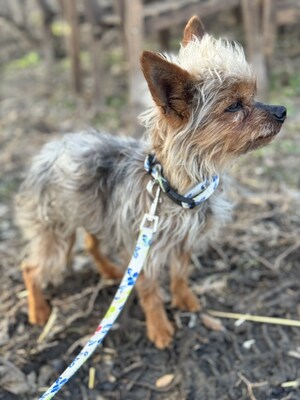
column 73, row 42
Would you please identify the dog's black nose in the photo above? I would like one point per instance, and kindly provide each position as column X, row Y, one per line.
column 279, row 113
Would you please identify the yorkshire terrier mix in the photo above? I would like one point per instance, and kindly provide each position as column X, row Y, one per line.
column 203, row 118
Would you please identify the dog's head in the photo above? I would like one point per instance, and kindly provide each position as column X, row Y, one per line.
column 205, row 111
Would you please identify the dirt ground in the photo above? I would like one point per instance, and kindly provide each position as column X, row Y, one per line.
column 253, row 268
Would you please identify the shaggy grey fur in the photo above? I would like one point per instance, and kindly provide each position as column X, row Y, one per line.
column 97, row 181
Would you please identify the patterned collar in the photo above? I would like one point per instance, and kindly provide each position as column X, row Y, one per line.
column 197, row 195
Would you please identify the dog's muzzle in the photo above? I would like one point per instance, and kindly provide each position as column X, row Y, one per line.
column 278, row 112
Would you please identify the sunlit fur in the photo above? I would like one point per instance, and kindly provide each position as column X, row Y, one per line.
column 97, row 181
column 210, row 138
column 213, row 59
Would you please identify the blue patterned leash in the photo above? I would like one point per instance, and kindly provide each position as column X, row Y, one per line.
column 147, row 230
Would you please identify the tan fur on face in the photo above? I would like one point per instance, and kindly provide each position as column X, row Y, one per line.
column 226, row 135
column 205, row 138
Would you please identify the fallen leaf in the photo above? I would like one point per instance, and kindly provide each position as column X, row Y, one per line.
column 164, row 380
column 212, row 323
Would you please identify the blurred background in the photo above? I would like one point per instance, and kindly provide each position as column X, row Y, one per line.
column 66, row 65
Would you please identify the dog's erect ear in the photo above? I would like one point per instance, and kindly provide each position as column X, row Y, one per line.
column 193, row 28
column 170, row 85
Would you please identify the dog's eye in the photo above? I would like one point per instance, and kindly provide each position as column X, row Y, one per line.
column 234, row 107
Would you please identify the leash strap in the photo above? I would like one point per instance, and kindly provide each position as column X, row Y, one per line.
column 134, row 268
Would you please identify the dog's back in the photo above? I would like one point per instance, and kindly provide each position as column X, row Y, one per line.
column 70, row 184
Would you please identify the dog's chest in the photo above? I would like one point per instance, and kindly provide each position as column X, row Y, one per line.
column 191, row 228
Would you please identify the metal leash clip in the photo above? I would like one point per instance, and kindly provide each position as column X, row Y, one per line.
column 150, row 216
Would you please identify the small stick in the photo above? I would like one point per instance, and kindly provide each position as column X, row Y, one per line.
column 290, row 384
column 256, row 318
column 49, row 325
column 251, row 386
column 286, row 253
column 92, row 372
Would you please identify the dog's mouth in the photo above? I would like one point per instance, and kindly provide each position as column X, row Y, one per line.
column 262, row 140
column 269, row 136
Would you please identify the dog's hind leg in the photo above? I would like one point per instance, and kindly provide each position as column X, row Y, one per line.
column 47, row 256
column 182, row 296
column 159, row 329
column 38, row 307
column 106, row 268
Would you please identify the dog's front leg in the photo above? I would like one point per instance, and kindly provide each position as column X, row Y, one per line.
column 106, row 268
column 182, row 296
column 159, row 329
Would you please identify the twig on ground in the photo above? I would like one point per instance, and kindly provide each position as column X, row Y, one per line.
column 49, row 325
column 256, row 318
column 250, row 385
column 82, row 313
column 196, row 262
column 220, row 252
column 261, row 259
column 284, row 254
column 294, row 353
column 130, row 368
column 209, row 286
column 92, row 374
column 290, row 384
column 80, row 342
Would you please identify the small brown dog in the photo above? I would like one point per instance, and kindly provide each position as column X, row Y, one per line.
column 203, row 118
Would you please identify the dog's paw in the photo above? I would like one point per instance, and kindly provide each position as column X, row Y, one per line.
column 39, row 315
column 186, row 300
column 160, row 330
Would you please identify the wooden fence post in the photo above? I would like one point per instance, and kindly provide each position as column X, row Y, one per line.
column 48, row 41
column 269, row 28
column 134, row 35
column 253, row 32
column 73, row 41
column 93, row 12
